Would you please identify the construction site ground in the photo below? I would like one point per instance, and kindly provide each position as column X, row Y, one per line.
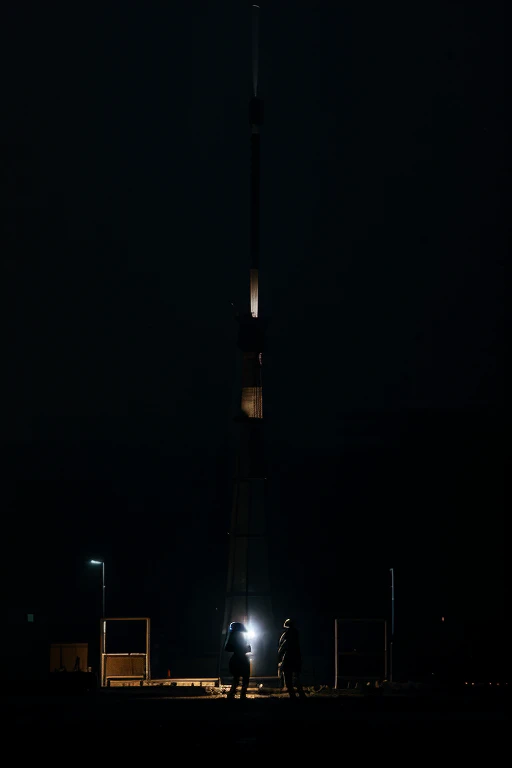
column 203, row 722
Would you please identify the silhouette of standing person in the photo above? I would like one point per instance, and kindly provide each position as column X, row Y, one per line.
column 289, row 659
column 239, row 664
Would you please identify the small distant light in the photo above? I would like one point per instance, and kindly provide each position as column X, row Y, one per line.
column 497, row 683
column 465, row 683
column 472, row 683
column 30, row 617
column 442, row 618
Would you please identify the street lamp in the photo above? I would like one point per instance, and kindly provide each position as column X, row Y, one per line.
column 102, row 563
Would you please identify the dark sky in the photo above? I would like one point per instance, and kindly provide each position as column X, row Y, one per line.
column 125, row 231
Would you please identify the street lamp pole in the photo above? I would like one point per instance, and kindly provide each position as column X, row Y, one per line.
column 103, row 595
column 103, row 623
column 392, row 570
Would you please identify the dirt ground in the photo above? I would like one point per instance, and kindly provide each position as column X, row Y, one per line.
column 209, row 724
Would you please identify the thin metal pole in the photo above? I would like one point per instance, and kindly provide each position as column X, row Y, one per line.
column 103, row 624
column 392, row 623
column 103, row 586
column 385, row 650
column 335, row 653
column 102, row 652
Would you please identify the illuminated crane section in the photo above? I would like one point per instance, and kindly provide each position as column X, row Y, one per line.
column 254, row 292
column 252, row 389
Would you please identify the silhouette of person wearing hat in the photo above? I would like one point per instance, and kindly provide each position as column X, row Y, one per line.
column 289, row 659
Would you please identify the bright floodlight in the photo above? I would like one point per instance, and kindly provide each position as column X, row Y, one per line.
column 251, row 632
column 96, row 562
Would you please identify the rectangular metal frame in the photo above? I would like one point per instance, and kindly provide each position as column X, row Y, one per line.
column 337, row 653
column 103, row 648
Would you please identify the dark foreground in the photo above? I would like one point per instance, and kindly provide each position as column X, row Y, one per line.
column 209, row 724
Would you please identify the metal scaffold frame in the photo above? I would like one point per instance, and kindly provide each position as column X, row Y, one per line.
column 105, row 676
column 338, row 653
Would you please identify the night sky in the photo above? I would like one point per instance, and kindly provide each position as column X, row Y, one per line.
column 125, row 245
